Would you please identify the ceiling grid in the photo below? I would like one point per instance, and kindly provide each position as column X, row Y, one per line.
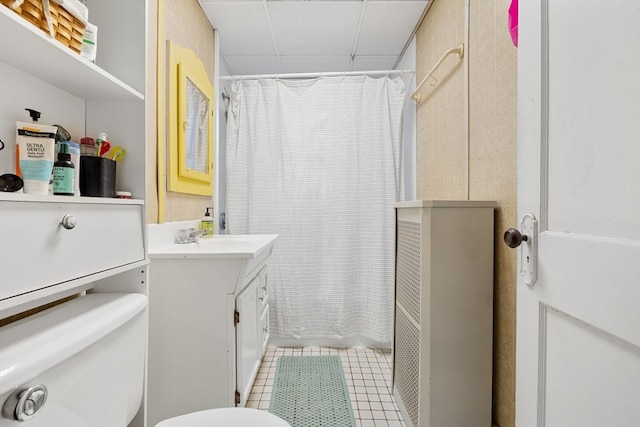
column 296, row 36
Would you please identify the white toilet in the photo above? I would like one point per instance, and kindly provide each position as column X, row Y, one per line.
column 236, row 417
column 81, row 364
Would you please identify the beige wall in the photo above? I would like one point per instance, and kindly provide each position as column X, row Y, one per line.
column 185, row 23
column 444, row 168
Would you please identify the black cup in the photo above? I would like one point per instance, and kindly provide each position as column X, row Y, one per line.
column 97, row 176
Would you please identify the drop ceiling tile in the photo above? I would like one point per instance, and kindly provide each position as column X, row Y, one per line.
column 243, row 26
column 315, row 28
column 314, row 64
column 229, row 1
column 373, row 63
column 241, row 65
column 387, row 26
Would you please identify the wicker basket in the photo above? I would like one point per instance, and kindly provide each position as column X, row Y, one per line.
column 67, row 29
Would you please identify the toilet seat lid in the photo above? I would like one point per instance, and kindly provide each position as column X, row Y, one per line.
column 231, row 417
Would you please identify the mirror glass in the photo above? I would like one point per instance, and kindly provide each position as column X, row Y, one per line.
column 197, row 129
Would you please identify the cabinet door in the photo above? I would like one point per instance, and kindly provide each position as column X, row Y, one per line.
column 247, row 339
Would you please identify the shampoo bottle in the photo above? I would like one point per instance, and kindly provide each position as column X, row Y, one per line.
column 206, row 224
column 63, row 172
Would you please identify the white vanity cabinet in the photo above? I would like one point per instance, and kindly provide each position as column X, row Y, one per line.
column 206, row 339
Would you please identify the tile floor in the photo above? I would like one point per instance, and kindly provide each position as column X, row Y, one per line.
column 368, row 375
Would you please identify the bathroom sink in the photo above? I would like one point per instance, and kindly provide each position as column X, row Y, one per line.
column 248, row 251
column 223, row 246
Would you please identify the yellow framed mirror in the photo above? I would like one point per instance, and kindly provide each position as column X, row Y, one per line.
column 190, row 124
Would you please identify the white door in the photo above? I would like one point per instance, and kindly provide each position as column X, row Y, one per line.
column 578, row 326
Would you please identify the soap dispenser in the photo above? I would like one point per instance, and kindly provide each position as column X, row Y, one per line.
column 206, row 224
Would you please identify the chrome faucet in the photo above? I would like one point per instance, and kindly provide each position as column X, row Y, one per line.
column 189, row 235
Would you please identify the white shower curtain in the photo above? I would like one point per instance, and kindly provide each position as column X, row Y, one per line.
column 319, row 162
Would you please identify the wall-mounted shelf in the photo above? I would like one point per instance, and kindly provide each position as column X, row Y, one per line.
column 34, row 52
column 21, row 197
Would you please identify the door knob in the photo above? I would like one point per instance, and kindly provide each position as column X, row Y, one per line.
column 529, row 251
column 513, row 238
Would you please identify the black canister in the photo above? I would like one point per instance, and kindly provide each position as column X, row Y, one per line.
column 97, row 176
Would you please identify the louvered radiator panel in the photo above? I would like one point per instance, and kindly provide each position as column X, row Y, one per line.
column 407, row 324
column 407, row 365
column 409, row 267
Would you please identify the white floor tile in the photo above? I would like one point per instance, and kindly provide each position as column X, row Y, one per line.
column 368, row 375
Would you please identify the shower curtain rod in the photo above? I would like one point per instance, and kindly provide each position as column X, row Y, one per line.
column 313, row 75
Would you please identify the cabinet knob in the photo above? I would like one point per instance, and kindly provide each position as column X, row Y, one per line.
column 69, row 222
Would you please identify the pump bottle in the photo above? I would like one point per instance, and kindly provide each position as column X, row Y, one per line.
column 35, row 115
column 206, row 224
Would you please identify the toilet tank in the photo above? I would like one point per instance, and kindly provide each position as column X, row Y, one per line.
column 89, row 354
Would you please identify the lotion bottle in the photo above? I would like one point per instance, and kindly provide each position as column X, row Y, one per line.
column 35, row 151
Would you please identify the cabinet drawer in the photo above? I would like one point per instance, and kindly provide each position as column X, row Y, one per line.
column 36, row 251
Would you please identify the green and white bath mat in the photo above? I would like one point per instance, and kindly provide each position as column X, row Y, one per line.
column 311, row 391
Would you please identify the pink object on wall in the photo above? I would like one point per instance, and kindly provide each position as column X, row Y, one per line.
column 513, row 21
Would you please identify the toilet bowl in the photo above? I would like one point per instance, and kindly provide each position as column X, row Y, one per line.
column 228, row 417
